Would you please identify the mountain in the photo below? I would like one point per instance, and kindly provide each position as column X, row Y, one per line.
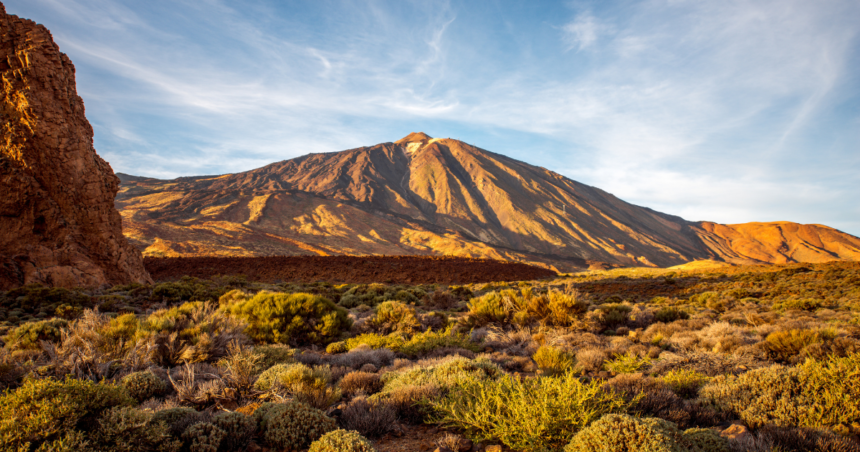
column 58, row 223
column 423, row 195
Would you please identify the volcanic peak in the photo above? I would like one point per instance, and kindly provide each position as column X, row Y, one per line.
column 414, row 137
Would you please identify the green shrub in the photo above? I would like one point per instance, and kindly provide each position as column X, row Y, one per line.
column 785, row 345
column 272, row 354
column 614, row 314
column 238, row 428
column 203, row 437
column 685, row 382
column 143, row 385
column 395, row 316
column 365, row 294
column 552, row 360
column 45, row 410
column 187, row 289
column 707, row 440
column 411, row 402
column 621, row 433
column 627, row 363
column 296, row 319
column 525, row 414
column 126, row 429
column 308, row 385
column 816, row 393
column 29, row 335
column 178, row 419
column 423, row 343
column 391, row 341
column 444, row 375
column 292, row 425
column 342, row 441
column 553, row 308
column 670, row 314
column 799, row 304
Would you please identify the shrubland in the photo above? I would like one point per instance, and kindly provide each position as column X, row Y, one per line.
column 625, row 359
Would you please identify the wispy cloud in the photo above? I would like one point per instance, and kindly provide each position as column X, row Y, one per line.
column 731, row 111
column 582, row 32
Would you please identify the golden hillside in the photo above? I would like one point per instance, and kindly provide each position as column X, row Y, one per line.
column 429, row 196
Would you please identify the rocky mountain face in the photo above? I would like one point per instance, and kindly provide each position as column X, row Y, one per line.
column 423, row 195
column 58, row 223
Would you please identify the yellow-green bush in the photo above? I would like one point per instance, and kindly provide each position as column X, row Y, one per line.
column 45, row 410
column 143, row 385
column 394, row 315
column 785, row 345
column 298, row 318
column 342, row 441
column 816, row 393
column 306, row 384
column 203, row 437
column 622, row 433
column 423, row 343
column 552, row 360
column 177, row 419
column 553, row 308
column 685, row 382
column 614, row 314
column 627, row 363
column 525, row 414
column 444, row 375
column 30, row 334
column 238, row 428
column 291, row 425
column 706, row 440
column 670, row 314
column 126, row 429
column 272, row 354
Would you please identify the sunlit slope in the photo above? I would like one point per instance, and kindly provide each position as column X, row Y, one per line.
column 422, row 195
column 778, row 242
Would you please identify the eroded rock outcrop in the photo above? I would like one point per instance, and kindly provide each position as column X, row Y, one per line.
column 58, row 223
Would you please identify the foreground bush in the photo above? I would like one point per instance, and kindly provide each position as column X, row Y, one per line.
column 129, row 429
column 296, row 319
column 143, row 385
column 622, row 433
column 342, row 441
column 306, row 384
column 552, row 360
column 292, row 425
column 29, row 335
column 814, row 394
column 46, row 410
column 238, row 428
column 530, row 414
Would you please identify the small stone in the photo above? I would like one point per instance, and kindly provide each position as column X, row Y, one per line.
column 443, row 449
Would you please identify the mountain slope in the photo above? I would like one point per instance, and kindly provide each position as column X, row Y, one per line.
column 418, row 195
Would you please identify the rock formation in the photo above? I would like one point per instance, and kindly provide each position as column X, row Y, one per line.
column 424, row 195
column 58, row 223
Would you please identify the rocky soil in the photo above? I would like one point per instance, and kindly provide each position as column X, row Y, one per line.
column 347, row 269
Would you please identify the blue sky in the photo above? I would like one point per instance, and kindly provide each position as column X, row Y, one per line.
column 729, row 111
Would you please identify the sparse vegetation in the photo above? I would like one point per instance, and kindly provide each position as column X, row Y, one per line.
column 590, row 360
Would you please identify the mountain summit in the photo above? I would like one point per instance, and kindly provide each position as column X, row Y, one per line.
column 430, row 196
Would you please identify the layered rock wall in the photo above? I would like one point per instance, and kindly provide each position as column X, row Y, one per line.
column 58, row 223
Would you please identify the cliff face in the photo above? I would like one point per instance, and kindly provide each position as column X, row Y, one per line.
column 58, row 223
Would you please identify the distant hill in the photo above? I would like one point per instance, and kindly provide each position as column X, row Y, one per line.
column 429, row 196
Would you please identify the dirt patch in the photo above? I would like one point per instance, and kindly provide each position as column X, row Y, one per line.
column 347, row 269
